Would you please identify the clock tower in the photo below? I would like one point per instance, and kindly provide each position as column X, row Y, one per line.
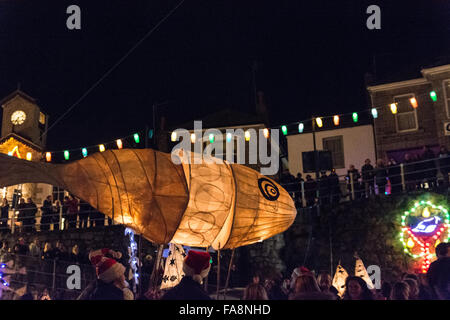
column 22, row 117
column 22, row 136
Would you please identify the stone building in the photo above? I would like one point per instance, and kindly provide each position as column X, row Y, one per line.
column 23, row 136
column 411, row 127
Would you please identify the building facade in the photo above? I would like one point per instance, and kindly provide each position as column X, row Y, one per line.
column 348, row 146
column 412, row 127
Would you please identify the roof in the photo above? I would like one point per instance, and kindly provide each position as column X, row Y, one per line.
column 224, row 118
column 22, row 140
column 19, row 93
column 397, row 85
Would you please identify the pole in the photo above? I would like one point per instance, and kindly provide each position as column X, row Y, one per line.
column 54, row 274
column 139, row 265
column 154, row 276
column 228, row 274
column 352, row 187
column 13, row 221
column 218, row 273
column 60, row 217
column 402, row 171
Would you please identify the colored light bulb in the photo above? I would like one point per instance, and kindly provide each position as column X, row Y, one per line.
column 29, row 156
column 433, row 96
column 136, row 138
column 393, row 108
column 336, row 120
column 173, row 136
column 211, row 138
column 119, row 143
column 247, row 135
column 229, row 136
column 319, row 122
column 410, row 243
column 84, row 152
column 374, row 113
column 284, row 130
column 66, row 154
column 48, row 157
column 355, row 117
column 426, row 213
column 193, row 137
column 301, row 126
column 413, row 102
column 266, row 133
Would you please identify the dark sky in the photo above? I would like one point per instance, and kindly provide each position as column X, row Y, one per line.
column 311, row 55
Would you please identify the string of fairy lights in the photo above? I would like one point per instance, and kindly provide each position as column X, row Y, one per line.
column 285, row 129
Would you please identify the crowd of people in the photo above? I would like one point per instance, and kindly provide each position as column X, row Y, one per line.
column 416, row 172
column 305, row 285
column 73, row 212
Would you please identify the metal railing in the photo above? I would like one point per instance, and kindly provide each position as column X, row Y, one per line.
column 36, row 219
column 428, row 175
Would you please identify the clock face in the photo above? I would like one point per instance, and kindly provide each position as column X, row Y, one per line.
column 18, row 117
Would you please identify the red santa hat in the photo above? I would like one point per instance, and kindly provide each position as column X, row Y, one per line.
column 108, row 269
column 197, row 265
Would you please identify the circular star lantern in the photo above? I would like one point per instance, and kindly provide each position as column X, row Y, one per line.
column 424, row 226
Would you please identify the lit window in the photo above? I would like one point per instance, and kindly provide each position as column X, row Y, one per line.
column 406, row 117
column 42, row 118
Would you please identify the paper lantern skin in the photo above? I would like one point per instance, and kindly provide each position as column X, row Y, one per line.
column 219, row 205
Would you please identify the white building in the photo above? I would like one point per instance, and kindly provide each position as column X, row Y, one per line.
column 351, row 145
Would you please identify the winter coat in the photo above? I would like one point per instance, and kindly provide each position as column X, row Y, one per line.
column 106, row 291
column 187, row 289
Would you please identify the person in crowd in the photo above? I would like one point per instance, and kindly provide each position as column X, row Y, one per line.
column 310, row 191
column 274, row 288
column 35, row 249
column 324, row 189
column 56, row 214
column 394, row 176
column 22, row 209
column 72, row 212
column 444, row 165
column 47, row 214
column 30, row 294
column 438, row 274
column 385, row 292
column 30, row 216
column 110, row 283
column 295, row 274
column 413, row 288
column 424, row 289
column 325, row 284
column 306, row 288
column 356, row 289
column 409, row 172
column 20, row 252
column 45, row 295
column 85, row 210
column 255, row 291
column 75, row 254
column 367, row 172
column 400, row 291
column 196, row 267
column 61, row 252
column 48, row 253
column 334, row 187
column 353, row 177
column 298, row 193
column 4, row 252
column 428, row 167
column 65, row 208
column 380, row 177
column 4, row 216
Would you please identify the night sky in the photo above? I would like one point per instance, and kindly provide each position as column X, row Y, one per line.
column 311, row 57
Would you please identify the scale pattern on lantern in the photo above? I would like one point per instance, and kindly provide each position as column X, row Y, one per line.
column 424, row 226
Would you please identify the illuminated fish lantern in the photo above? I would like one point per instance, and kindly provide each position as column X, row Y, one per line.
column 424, row 226
column 221, row 205
column 339, row 279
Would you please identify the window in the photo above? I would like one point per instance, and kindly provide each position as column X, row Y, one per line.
column 446, row 85
column 336, row 146
column 406, row 117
